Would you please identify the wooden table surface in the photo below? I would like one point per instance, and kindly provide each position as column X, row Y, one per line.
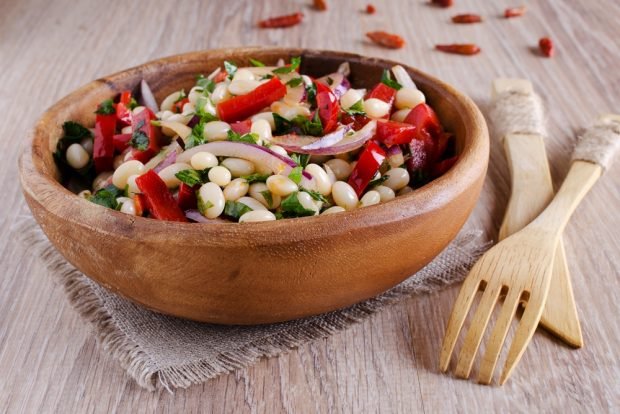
column 50, row 362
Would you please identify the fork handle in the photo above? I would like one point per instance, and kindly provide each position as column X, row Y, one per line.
column 581, row 177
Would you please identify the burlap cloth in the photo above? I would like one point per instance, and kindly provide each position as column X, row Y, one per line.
column 163, row 351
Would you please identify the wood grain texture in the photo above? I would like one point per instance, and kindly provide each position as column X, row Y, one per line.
column 50, row 362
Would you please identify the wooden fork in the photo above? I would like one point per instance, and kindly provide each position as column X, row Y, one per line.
column 521, row 267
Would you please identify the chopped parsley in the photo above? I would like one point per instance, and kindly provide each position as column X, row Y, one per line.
column 291, row 207
column 201, row 110
column 196, row 137
column 250, row 138
column 181, row 96
column 268, row 197
column 235, row 209
column 257, row 63
column 378, row 181
column 266, row 76
column 107, row 197
column 207, row 85
column 298, row 125
column 256, row 178
column 295, row 62
column 356, row 109
column 193, row 177
column 294, row 82
column 386, row 79
column 231, row 68
column 315, row 195
column 296, row 174
column 301, row 159
column 311, row 93
column 330, row 81
column 202, row 205
column 106, row 108
column 139, row 140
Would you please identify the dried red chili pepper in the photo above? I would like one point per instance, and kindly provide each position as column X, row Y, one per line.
column 370, row 9
column 320, row 5
column 546, row 47
column 442, row 3
column 514, row 12
column 385, row 39
column 281, row 21
column 467, row 18
column 459, row 49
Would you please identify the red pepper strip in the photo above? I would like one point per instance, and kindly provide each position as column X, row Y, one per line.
column 419, row 157
column 141, row 204
column 121, row 142
column 242, row 127
column 162, row 204
column 103, row 145
column 357, row 121
column 394, row 133
column 177, row 107
column 142, row 122
column 123, row 113
column 441, row 167
column 321, row 87
column 220, row 77
column 428, row 131
column 367, row 166
column 187, row 197
column 243, row 106
column 281, row 21
column 329, row 109
column 382, row 92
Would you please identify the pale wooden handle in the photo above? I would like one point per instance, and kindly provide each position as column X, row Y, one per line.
column 532, row 190
column 580, row 179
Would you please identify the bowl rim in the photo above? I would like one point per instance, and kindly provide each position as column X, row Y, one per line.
column 54, row 198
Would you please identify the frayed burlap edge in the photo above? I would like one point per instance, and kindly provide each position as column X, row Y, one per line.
column 84, row 298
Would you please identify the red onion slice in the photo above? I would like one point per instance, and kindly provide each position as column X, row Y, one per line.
column 339, row 83
column 346, row 144
column 147, row 97
column 328, row 140
column 169, row 159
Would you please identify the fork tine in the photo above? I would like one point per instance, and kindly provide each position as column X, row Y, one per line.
column 496, row 341
column 525, row 331
column 476, row 330
column 457, row 317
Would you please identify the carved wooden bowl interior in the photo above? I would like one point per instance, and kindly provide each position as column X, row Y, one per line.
column 256, row 272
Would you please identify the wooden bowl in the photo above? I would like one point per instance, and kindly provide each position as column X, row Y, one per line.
column 257, row 272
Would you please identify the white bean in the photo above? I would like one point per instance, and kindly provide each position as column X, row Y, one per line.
column 166, row 104
column 321, row 179
column 252, row 203
column 261, row 128
column 220, row 176
column 216, row 131
column 340, row 168
column 281, row 185
column 376, row 108
column 162, row 115
column 408, row 98
column 267, row 116
column 243, row 74
column 397, row 178
column 211, row 200
column 128, row 206
column 386, row 193
column 333, row 210
column 372, row 197
column 203, row 160
column 350, row 98
column 220, row 93
column 77, row 157
column 194, row 94
column 400, row 115
column 235, row 189
column 256, row 216
column 127, row 129
column 85, row 194
column 396, row 160
column 344, row 195
column 289, row 111
column 242, row 87
column 238, row 167
column 138, row 109
column 168, row 174
column 261, row 192
column 405, row 190
column 279, row 150
column 330, row 174
column 122, row 173
column 132, row 187
column 307, row 202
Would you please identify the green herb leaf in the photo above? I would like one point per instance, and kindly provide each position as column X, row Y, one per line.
column 311, row 93
column 294, row 82
column 202, row 205
column 301, row 159
column 193, row 177
column 295, row 62
column 182, row 96
column 315, row 195
column 207, row 85
column 196, row 137
column 356, row 109
column 250, row 138
column 231, row 68
column 266, row 76
column 295, row 174
column 330, row 81
column 201, row 110
column 291, row 207
column 139, row 140
column 386, row 79
column 132, row 103
column 235, row 209
column 73, row 132
column 106, row 108
column 257, row 63
column 107, row 197
column 268, row 197
column 378, row 181
column 256, row 178
column 299, row 124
